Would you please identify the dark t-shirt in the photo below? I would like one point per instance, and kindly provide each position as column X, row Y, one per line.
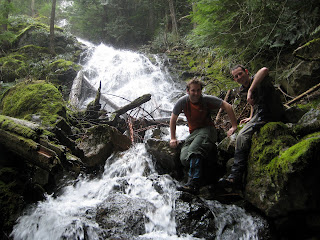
column 198, row 115
column 267, row 101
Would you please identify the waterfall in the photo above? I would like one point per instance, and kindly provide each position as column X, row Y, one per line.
column 129, row 186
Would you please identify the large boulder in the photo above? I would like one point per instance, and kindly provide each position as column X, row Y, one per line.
column 99, row 142
column 36, row 101
column 166, row 158
column 283, row 175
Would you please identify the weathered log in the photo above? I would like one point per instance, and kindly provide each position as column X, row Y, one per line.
column 314, row 88
column 136, row 103
column 102, row 97
column 76, row 90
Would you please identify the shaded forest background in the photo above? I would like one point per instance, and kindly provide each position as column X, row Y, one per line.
column 252, row 32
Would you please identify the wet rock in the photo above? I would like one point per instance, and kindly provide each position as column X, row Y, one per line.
column 166, row 158
column 100, row 142
column 194, row 217
column 123, row 217
column 309, row 123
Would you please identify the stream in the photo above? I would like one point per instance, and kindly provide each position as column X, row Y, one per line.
column 127, row 185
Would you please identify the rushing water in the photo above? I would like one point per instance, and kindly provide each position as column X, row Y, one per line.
column 124, row 76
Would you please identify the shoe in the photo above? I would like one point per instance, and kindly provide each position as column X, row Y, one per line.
column 191, row 187
column 229, row 183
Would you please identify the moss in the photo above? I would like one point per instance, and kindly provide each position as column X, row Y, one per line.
column 296, row 157
column 33, row 49
column 64, row 65
column 9, row 125
column 10, row 204
column 25, row 100
column 272, row 139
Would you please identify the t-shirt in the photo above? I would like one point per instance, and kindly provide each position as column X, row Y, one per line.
column 268, row 104
column 199, row 114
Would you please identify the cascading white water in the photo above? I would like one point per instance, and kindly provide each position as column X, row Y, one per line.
column 127, row 75
column 71, row 214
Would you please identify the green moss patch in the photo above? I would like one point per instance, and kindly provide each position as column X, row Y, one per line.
column 34, row 100
column 271, row 140
column 296, row 157
column 9, row 125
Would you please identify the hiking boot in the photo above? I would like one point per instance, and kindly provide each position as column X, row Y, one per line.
column 229, row 182
column 192, row 186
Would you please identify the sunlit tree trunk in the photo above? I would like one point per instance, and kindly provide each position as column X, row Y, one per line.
column 194, row 11
column 53, row 14
column 174, row 20
column 33, row 14
column 6, row 15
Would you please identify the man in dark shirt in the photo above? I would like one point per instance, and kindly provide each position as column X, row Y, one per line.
column 197, row 108
column 266, row 106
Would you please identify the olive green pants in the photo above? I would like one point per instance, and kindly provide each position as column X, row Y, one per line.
column 198, row 143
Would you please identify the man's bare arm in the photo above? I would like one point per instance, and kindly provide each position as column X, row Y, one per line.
column 173, row 124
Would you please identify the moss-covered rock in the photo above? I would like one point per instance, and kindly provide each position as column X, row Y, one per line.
column 35, row 101
column 283, row 172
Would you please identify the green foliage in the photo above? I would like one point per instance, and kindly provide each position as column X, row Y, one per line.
column 248, row 28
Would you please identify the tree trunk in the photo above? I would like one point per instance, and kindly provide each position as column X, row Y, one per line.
column 6, row 15
column 53, row 15
column 33, row 13
column 194, row 11
column 174, row 20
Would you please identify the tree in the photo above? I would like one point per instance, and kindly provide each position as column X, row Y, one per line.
column 53, row 14
column 5, row 14
column 33, row 14
column 173, row 20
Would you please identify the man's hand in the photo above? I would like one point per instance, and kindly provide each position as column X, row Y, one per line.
column 174, row 143
column 245, row 120
column 231, row 131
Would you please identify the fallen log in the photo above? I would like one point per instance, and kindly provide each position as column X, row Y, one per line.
column 136, row 103
column 314, row 88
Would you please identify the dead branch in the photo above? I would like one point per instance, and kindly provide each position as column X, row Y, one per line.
column 136, row 103
column 220, row 110
column 314, row 88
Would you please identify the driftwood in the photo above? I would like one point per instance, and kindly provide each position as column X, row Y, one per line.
column 136, row 103
column 314, row 88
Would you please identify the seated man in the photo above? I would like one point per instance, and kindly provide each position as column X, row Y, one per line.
column 266, row 106
column 197, row 108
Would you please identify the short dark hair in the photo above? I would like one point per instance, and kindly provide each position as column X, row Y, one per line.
column 238, row 66
column 195, row 80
